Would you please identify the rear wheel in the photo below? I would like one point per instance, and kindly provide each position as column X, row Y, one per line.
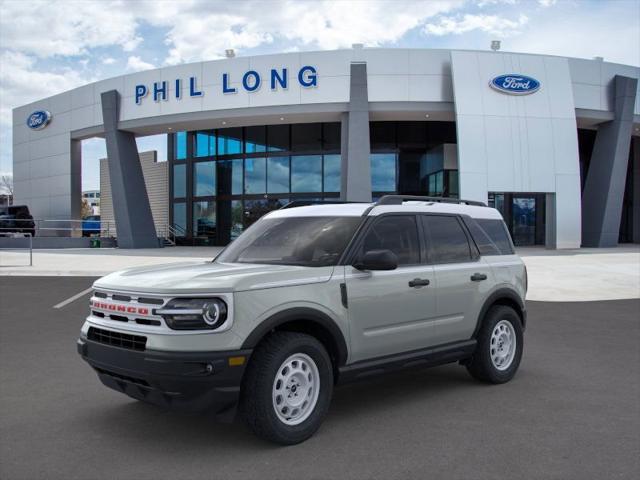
column 499, row 347
column 287, row 388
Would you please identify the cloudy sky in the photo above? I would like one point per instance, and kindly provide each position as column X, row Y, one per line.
column 48, row 47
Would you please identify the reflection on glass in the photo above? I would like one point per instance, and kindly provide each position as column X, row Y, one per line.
column 204, row 219
column 237, row 215
column 255, row 175
column 179, row 181
column 255, row 139
column 332, row 173
column 383, row 172
column 278, row 138
column 204, row 179
column 278, row 175
column 331, row 136
column 306, row 137
column 306, row 173
column 180, row 218
column 230, row 177
column 205, row 144
column 180, row 145
column 229, row 141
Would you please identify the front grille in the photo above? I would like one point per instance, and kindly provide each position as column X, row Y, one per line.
column 117, row 339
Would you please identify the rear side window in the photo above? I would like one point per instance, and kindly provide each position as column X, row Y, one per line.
column 446, row 239
column 397, row 233
column 497, row 231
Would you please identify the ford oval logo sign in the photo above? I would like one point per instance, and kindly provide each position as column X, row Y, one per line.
column 515, row 84
column 38, row 120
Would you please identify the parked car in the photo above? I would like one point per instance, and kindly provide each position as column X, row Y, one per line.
column 310, row 297
column 16, row 219
column 91, row 225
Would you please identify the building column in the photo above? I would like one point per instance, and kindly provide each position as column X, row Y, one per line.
column 355, row 181
column 131, row 209
column 604, row 188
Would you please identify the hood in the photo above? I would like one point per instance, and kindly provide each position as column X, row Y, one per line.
column 208, row 277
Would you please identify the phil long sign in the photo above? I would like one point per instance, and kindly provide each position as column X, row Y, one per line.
column 251, row 81
column 515, row 84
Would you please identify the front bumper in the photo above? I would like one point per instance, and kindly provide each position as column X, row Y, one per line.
column 192, row 381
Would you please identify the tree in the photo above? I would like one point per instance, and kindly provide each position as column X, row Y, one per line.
column 6, row 184
column 86, row 209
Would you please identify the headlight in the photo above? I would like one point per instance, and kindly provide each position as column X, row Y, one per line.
column 194, row 313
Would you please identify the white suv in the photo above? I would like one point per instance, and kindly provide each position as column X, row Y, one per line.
column 308, row 297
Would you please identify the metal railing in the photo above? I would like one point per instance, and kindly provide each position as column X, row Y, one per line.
column 77, row 228
column 56, row 228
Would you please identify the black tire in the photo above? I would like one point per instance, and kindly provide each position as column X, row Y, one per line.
column 481, row 367
column 257, row 404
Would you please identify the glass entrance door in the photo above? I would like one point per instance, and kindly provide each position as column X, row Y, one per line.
column 523, row 217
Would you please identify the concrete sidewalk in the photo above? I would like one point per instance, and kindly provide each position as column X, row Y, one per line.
column 554, row 275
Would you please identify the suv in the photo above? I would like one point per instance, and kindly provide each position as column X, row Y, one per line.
column 16, row 219
column 310, row 297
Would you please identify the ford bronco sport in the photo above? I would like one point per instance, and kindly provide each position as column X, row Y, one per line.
column 310, row 297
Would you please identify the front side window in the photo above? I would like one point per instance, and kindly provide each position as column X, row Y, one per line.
column 446, row 239
column 397, row 233
column 304, row 241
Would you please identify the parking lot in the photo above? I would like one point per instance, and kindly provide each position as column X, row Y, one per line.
column 573, row 410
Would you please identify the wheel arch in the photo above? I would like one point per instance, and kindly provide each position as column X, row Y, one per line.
column 502, row 296
column 304, row 320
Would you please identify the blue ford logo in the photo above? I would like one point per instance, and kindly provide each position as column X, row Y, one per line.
column 515, row 84
column 38, row 120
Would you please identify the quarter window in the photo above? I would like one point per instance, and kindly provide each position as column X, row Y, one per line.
column 397, row 233
column 447, row 241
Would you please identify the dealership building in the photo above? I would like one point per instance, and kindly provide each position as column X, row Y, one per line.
column 552, row 142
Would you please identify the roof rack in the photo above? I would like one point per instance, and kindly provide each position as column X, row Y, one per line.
column 398, row 199
column 306, row 203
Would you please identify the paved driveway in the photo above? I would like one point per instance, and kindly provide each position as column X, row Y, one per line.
column 572, row 411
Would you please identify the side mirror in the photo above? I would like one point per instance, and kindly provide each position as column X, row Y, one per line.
column 377, row 260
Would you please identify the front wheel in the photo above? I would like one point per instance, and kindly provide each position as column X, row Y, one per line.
column 287, row 388
column 499, row 347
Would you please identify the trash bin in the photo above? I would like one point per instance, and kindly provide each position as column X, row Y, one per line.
column 95, row 243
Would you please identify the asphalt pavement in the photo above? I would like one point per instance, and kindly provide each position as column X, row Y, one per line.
column 572, row 411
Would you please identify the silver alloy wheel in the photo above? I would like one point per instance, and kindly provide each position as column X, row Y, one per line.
column 503, row 345
column 296, row 389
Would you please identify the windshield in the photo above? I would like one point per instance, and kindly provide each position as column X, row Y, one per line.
column 305, row 241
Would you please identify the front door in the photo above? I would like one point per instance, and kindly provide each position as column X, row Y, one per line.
column 523, row 218
column 391, row 311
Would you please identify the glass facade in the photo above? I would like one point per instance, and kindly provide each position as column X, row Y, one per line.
column 223, row 180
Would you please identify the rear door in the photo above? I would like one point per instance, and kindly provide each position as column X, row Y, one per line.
column 462, row 278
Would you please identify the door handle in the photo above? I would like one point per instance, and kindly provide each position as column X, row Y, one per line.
column 478, row 277
column 418, row 282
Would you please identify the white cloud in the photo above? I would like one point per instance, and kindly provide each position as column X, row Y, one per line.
column 547, row 3
column 135, row 64
column 22, row 83
column 491, row 24
column 45, row 29
column 203, row 30
column 108, row 61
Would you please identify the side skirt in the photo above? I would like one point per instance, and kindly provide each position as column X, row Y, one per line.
column 432, row 356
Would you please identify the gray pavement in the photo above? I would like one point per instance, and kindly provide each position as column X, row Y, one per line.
column 571, row 412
